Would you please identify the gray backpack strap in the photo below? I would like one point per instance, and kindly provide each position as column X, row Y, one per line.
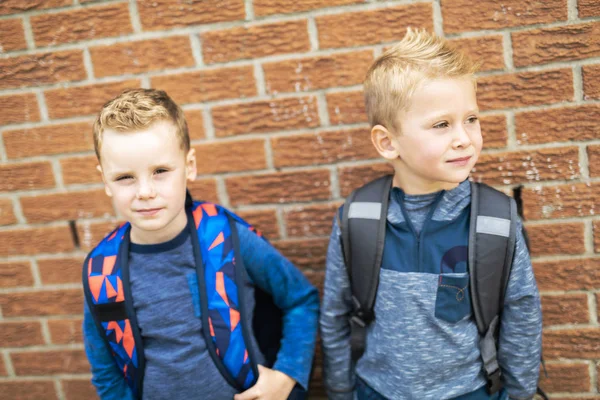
column 363, row 236
column 492, row 240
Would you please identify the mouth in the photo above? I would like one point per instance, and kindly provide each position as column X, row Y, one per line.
column 148, row 212
column 460, row 161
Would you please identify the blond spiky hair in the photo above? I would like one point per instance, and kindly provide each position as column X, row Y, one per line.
column 394, row 76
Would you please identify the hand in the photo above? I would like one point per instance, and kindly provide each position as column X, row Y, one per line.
column 271, row 385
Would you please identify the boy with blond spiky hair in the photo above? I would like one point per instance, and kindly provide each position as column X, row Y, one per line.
column 429, row 290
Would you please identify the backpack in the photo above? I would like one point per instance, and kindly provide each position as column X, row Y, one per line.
column 492, row 239
column 221, row 278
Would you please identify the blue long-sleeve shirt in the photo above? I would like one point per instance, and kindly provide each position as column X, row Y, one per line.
column 165, row 294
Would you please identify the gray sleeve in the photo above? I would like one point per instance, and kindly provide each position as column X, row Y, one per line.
column 520, row 341
column 334, row 323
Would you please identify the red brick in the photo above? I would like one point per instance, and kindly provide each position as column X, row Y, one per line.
column 79, row 389
column 41, row 69
column 83, row 100
column 7, row 215
column 462, row 15
column 142, row 56
column 313, row 220
column 164, row 14
column 596, row 226
column 52, row 139
column 56, row 271
column 195, row 123
column 20, row 334
column 231, row 156
column 19, row 6
column 48, row 239
column 279, row 187
column 66, row 331
column 486, row 50
column 2, row 371
column 373, row 26
column 572, row 274
column 562, row 201
column 305, row 253
column 591, row 81
column 19, row 108
column 593, row 153
column 66, row 206
column 525, row 89
column 255, row 41
column 198, row 86
column 565, row 309
column 346, row 108
column 265, row 116
column 15, row 273
column 81, row 24
column 50, row 362
column 588, row 8
column 563, row 377
column 80, row 169
column 528, row 166
column 91, row 233
column 581, row 343
column 322, row 148
column 269, row 7
column 263, row 220
column 564, row 43
column 26, row 176
column 12, row 35
column 204, row 189
column 494, row 131
column 42, row 303
column 317, row 279
column 321, row 72
column 351, row 178
column 563, row 238
column 28, row 390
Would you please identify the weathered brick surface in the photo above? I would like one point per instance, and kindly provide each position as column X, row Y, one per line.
column 194, row 87
column 541, row 46
column 346, row 108
column 3, row 371
column 55, row 271
column 52, row 139
column 265, row 116
column 19, row 108
column 304, row 74
column 19, row 6
column 28, row 390
column 66, row 206
column 593, row 153
column 35, row 240
column 91, row 233
column 204, row 189
column 351, row 178
column 563, row 238
column 66, row 331
column 591, row 81
column 268, row 7
column 195, row 122
column 583, row 343
column 528, row 166
column 20, row 334
column 574, row 274
column 279, row 187
column 80, row 169
column 7, row 214
column 42, row 303
column 41, row 69
column 303, row 221
column 305, row 253
column 566, row 377
column 588, row 8
column 26, row 176
column 142, row 56
column 81, row 24
column 561, row 201
column 79, row 389
column 263, row 220
column 494, row 131
column 567, row 124
column 596, row 227
column 12, row 36
column 322, row 147
column 83, row 100
column 164, row 14
column 230, row 156
column 524, row 89
column 256, row 41
column 50, row 362
column 485, row 50
column 15, row 273
column 565, row 309
column 357, row 28
column 460, row 16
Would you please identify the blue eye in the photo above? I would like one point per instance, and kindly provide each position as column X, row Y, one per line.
column 124, row 177
column 161, row 171
column 441, row 125
column 472, row 120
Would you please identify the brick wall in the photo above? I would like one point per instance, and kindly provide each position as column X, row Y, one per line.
column 271, row 90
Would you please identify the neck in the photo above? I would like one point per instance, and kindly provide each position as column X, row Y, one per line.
column 411, row 184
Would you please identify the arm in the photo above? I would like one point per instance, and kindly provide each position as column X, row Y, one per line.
column 106, row 377
column 520, row 341
column 334, row 323
column 293, row 294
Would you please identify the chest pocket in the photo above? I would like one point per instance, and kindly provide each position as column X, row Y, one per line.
column 453, row 300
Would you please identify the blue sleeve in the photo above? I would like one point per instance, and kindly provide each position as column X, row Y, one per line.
column 106, row 377
column 520, row 341
column 293, row 294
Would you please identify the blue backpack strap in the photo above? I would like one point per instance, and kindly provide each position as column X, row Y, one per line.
column 105, row 283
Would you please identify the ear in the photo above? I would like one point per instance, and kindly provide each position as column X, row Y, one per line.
column 106, row 188
column 384, row 143
column 190, row 165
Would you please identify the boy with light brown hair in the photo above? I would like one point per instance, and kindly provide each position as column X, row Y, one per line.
column 402, row 315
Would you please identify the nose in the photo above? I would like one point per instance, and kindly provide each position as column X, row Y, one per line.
column 145, row 189
column 461, row 138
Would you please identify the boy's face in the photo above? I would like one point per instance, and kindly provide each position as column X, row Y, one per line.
column 440, row 137
column 146, row 174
